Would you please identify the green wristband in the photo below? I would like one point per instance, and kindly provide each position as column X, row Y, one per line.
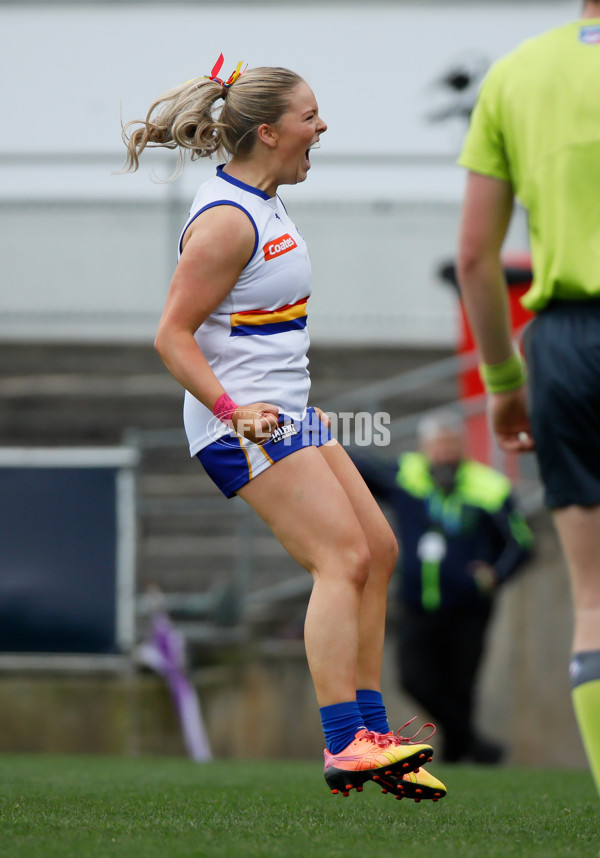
column 504, row 376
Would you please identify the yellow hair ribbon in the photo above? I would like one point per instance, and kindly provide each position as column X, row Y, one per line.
column 234, row 76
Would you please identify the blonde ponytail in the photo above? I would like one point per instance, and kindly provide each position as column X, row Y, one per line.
column 185, row 117
column 181, row 119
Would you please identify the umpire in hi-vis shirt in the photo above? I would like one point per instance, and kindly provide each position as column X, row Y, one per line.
column 535, row 135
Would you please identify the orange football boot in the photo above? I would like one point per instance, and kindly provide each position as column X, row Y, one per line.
column 369, row 756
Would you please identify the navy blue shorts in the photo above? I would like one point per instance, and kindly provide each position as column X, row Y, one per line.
column 232, row 461
column 562, row 348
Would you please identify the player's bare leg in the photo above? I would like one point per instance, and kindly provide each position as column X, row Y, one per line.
column 383, row 550
column 306, row 507
column 579, row 532
column 308, row 511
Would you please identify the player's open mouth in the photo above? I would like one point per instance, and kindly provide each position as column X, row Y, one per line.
column 315, row 145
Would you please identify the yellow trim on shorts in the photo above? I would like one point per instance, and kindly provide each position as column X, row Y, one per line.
column 247, row 457
column 265, row 454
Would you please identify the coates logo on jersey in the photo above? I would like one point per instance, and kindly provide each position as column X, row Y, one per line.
column 279, row 246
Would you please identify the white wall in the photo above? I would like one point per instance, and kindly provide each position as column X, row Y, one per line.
column 65, row 69
column 86, row 253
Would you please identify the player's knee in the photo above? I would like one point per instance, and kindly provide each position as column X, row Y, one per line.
column 346, row 561
column 384, row 556
column 353, row 561
column 358, row 564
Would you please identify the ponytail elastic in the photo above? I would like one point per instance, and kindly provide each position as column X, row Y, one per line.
column 232, row 77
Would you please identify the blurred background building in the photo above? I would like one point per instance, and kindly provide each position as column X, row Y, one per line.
column 86, row 259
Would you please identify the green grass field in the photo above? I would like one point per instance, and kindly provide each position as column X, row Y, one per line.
column 94, row 807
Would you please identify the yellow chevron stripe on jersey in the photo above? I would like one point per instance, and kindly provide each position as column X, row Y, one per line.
column 266, row 317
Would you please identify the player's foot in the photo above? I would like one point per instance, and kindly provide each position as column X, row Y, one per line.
column 369, row 755
column 417, row 785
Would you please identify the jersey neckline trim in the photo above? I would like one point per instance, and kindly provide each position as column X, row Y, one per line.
column 239, row 184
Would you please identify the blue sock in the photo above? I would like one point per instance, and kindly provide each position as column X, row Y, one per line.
column 372, row 710
column 341, row 723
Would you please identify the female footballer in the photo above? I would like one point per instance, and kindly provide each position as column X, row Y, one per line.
column 233, row 333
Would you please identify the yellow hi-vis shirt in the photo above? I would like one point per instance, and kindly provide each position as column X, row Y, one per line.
column 537, row 125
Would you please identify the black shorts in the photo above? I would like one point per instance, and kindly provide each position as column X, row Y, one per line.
column 562, row 348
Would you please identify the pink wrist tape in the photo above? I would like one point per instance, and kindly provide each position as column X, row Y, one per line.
column 224, row 407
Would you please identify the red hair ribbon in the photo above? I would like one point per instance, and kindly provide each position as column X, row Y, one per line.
column 232, row 77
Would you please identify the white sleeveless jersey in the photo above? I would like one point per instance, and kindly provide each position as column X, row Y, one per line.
column 256, row 340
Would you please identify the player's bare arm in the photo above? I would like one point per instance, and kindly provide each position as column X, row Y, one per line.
column 217, row 246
